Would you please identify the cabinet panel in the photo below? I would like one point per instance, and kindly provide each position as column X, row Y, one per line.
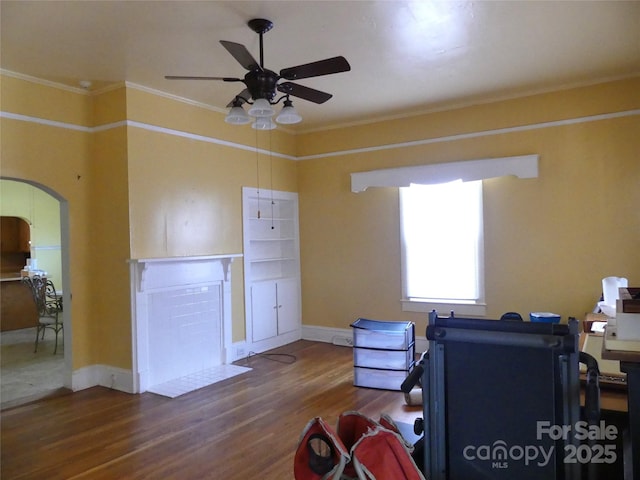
column 9, row 236
column 288, row 305
column 263, row 311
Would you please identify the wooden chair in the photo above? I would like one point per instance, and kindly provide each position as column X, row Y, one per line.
column 49, row 306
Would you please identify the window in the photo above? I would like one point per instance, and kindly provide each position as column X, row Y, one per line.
column 464, row 292
column 442, row 240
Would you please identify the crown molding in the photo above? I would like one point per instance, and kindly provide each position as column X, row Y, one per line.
column 448, row 106
column 46, row 83
column 370, row 120
column 480, row 133
column 170, row 96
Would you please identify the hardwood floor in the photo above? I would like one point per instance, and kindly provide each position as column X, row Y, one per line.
column 246, row 427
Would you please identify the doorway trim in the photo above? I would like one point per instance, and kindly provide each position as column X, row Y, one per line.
column 65, row 274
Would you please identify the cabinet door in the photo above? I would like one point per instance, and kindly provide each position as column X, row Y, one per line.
column 264, row 311
column 288, row 305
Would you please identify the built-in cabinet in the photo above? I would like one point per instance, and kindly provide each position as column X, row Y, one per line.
column 271, row 268
column 17, row 309
column 15, row 235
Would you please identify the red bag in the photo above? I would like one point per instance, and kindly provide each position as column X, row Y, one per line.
column 351, row 427
column 381, row 454
column 321, row 455
column 362, row 449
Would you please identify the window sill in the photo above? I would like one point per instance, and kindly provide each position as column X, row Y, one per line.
column 475, row 309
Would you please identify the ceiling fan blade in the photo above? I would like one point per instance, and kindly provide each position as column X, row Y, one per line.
column 187, row 77
column 316, row 69
column 241, row 54
column 306, row 93
column 243, row 96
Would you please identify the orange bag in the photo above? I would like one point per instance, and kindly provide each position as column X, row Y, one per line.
column 321, row 455
column 381, row 454
column 361, row 449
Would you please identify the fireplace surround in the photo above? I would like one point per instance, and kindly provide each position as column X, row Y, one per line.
column 181, row 316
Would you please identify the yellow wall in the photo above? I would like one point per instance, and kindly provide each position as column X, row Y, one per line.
column 43, row 101
column 553, row 106
column 185, row 194
column 548, row 241
column 110, row 248
column 42, row 212
column 59, row 159
column 136, row 192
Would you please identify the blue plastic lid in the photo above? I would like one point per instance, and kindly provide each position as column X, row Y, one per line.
column 544, row 317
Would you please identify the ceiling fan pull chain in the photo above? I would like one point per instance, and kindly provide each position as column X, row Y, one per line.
column 271, row 181
column 258, row 174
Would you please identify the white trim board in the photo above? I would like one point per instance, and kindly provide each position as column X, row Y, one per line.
column 481, row 133
column 122, row 380
column 104, row 376
column 426, row 141
column 525, row 166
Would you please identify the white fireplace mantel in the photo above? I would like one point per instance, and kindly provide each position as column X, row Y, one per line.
column 143, row 263
column 161, row 343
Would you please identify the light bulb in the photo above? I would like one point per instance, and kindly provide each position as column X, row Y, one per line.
column 263, row 123
column 288, row 114
column 261, row 108
column 237, row 116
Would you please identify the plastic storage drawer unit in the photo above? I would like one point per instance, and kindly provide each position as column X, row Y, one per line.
column 383, row 335
column 379, row 378
column 387, row 359
column 383, row 353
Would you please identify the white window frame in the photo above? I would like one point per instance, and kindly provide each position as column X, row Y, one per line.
column 523, row 166
column 475, row 307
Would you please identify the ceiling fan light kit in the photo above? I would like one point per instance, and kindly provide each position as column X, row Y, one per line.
column 288, row 115
column 263, row 123
column 262, row 84
column 261, row 108
column 237, row 116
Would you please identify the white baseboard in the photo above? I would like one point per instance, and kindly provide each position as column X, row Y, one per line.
column 337, row 336
column 122, row 380
column 102, row 375
column 344, row 336
column 237, row 351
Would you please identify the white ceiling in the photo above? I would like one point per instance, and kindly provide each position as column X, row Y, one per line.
column 404, row 55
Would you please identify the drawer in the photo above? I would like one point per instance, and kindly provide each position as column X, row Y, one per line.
column 386, row 359
column 383, row 335
column 378, row 378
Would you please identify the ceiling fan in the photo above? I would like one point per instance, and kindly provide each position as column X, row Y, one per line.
column 261, row 83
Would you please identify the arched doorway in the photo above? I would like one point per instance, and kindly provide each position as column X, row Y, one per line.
column 28, row 375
